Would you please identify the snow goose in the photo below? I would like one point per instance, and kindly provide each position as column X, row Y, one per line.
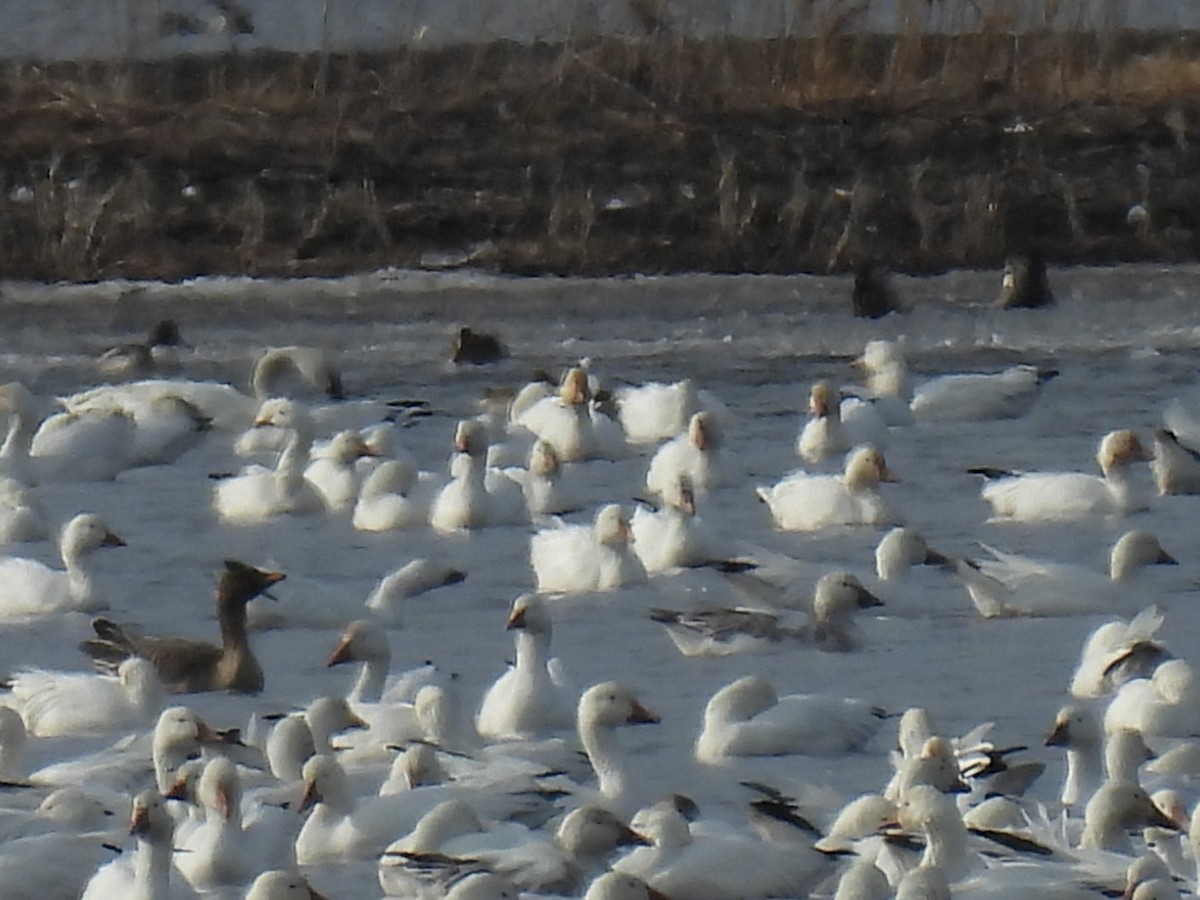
column 1010, row 584
column 830, row 624
column 137, row 359
column 622, row 886
column 22, row 518
column 603, row 708
column 301, row 372
column 414, row 579
column 167, row 427
column 31, row 588
column 334, row 474
column 1167, row 704
column 281, row 885
column 1117, row 652
column 466, row 501
column 150, row 874
column 747, row 718
column 391, row 498
column 694, row 454
column 656, row 411
column 804, row 502
column 55, row 704
column 1078, row 729
column 595, row 557
column 186, row 665
column 973, row 397
column 224, row 851
column 570, row 424
column 724, row 866
column 541, row 482
column 126, row 766
column 822, row 435
column 1176, row 466
column 259, row 494
column 1040, row 496
column 1114, row 810
column 668, row 537
column 526, row 701
column 887, row 383
column 88, row 445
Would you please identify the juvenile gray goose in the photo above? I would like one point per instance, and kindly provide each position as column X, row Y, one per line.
column 186, row 665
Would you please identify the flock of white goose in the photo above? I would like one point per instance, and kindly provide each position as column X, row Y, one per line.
column 530, row 792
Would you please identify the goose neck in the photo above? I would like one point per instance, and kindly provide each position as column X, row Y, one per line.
column 603, row 750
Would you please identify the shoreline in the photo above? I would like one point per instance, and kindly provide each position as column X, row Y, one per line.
column 918, row 153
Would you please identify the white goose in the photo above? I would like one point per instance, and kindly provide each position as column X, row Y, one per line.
column 972, row 397
column 89, row 445
column 260, row 494
column 1040, row 496
column 804, row 502
column 526, row 701
column 281, row 885
column 1117, row 652
column 1167, row 704
column 334, row 473
column 694, row 454
column 603, row 708
column 1078, row 729
column 595, row 557
column 725, row 866
column 414, row 579
column 466, row 502
column 56, row 704
column 887, row 383
column 1176, row 466
column 568, row 422
column 150, row 874
column 822, row 435
column 392, row 497
column 656, row 411
column 31, row 588
column 747, row 718
column 222, row 850
column 1010, row 584
column 669, row 537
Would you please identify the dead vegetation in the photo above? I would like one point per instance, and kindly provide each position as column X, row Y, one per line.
column 916, row 151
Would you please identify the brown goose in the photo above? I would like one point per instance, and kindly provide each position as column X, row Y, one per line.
column 189, row 666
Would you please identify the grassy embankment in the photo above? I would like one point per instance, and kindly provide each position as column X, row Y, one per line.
column 804, row 154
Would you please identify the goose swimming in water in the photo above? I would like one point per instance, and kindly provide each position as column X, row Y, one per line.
column 804, row 502
column 186, row 665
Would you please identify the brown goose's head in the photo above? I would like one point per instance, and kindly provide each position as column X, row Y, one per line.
column 241, row 583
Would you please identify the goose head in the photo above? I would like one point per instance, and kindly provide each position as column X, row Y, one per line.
column 612, row 526
column 529, row 613
column 330, row 715
column 283, row 412
column 914, row 730
column 820, row 400
column 483, row 886
column 902, row 548
column 621, row 886
column 1135, row 549
column 1075, row 727
column 543, row 460
column 73, row 807
column 178, row 735
column 448, row 820
column 470, row 437
column 325, row 782
column 575, row 389
column 85, row 533
column 280, row 885
column 1120, row 448
column 417, row 766
column 866, row 468
column 885, row 367
column 680, row 496
column 240, row 583
column 150, row 820
column 593, row 832
column 1115, row 809
column 703, row 432
column 347, row 446
column 663, row 824
column 220, row 788
column 361, row 641
column 609, row 705
column 838, row 594
column 740, row 700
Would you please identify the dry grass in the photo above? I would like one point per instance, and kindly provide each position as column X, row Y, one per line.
column 918, row 150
